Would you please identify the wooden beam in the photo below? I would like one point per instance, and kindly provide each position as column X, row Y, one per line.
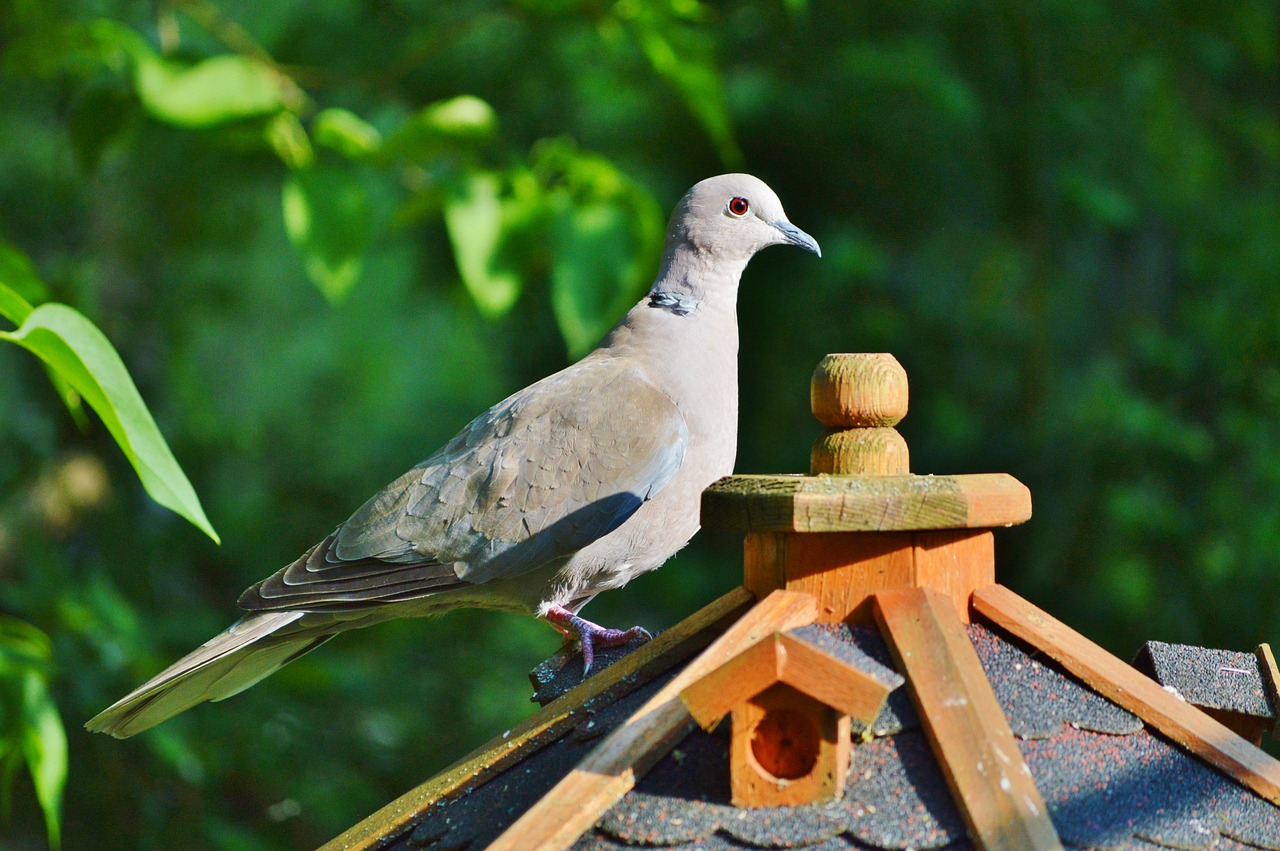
column 966, row 727
column 550, row 723
column 1133, row 690
column 1271, row 677
column 830, row 680
column 864, row 503
column 736, row 681
column 569, row 810
column 782, row 658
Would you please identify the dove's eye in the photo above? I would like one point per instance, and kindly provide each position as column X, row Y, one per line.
column 738, row 207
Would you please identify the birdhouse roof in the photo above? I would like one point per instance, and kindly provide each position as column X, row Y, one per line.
column 1108, row 779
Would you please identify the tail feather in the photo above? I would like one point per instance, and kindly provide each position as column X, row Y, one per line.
column 225, row 665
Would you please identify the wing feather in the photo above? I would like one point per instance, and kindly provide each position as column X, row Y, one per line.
column 535, row 478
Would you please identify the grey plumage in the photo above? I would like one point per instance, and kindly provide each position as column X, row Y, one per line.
column 569, row 487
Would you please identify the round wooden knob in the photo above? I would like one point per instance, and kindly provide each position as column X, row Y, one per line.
column 859, row 391
column 860, row 452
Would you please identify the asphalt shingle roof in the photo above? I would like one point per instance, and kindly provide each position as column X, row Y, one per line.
column 1108, row 781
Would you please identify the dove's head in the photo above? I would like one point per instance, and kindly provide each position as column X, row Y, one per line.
column 733, row 216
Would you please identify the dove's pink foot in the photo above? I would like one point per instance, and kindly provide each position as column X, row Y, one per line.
column 590, row 635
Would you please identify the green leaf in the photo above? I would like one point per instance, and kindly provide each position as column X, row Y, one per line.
column 483, row 223
column 346, row 133
column 461, row 123
column 684, row 58
column 20, row 285
column 13, row 307
column 606, row 237
column 211, row 92
column 74, row 348
column 15, row 267
column 44, row 746
column 328, row 219
column 288, row 138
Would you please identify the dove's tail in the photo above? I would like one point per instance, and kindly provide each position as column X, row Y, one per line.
column 225, row 665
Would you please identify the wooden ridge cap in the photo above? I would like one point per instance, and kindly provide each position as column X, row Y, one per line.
column 784, row 658
column 825, row 503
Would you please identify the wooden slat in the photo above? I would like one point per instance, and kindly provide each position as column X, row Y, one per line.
column 864, row 503
column 1133, row 690
column 740, row 679
column 548, row 724
column 970, row 737
column 830, row 680
column 791, row 660
column 611, row 770
column 1271, row 677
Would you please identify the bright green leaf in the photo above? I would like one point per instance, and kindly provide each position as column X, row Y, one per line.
column 459, row 123
column 288, row 138
column 482, row 223
column 346, row 133
column 44, row 746
column 328, row 219
column 13, row 307
column 18, row 280
column 683, row 57
column 74, row 347
column 16, row 268
column 214, row 91
column 606, row 236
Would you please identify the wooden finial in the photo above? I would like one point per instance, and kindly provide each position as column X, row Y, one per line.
column 860, row 397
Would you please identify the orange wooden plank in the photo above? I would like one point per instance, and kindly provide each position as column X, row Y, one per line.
column 830, row 680
column 736, row 681
column 548, row 724
column 569, row 810
column 1141, row 695
column 971, row 739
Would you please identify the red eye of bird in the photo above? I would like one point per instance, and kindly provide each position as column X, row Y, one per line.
column 738, row 206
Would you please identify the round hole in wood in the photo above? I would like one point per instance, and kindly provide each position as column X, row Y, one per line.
column 785, row 744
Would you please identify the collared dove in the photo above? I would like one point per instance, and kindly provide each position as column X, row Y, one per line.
column 567, row 488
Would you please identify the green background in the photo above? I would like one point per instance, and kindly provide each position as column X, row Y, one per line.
column 1062, row 217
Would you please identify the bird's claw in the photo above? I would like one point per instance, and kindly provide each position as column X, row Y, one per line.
column 591, row 635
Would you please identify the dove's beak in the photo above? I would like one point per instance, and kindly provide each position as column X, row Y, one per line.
column 792, row 235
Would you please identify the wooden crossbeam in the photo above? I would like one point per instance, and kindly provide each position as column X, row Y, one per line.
column 1133, row 690
column 548, row 724
column 782, row 658
column 965, row 725
column 570, row 809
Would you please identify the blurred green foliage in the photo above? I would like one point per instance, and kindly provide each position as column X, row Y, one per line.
column 323, row 236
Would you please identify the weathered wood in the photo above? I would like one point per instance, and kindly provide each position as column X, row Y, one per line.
column 858, row 390
column 860, row 452
column 864, row 503
column 964, row 723
column 955, row 563
column 561, row 816
column 788, row 749
column 1175, row 718
column 1271, row 678
column 551, row 722
column 791, row 660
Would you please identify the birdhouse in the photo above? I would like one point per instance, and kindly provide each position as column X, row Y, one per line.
column 791, row 700
column 882, row 691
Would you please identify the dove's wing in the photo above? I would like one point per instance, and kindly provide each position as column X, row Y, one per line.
column 535, row 478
